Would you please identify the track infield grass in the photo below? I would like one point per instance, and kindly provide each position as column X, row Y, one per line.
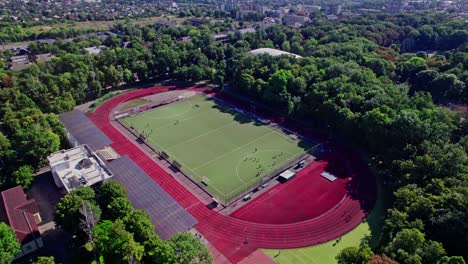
column 227, row 150
column 320, row 254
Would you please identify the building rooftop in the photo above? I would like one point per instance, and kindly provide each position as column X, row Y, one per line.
column 18, row 213
column 20, row 58
column 44, row 57
column 95, row 50
column 78, row 166
column 83, row 130
column 272, row 52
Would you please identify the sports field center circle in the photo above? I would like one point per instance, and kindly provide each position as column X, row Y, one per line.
column 236, row 238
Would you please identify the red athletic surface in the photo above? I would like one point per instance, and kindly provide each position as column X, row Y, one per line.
column 233, row 237
column 306, row 196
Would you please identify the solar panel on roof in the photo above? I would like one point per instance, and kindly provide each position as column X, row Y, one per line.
column 84, row 130
column 166, row 214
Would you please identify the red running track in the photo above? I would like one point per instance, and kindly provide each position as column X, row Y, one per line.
column 233, row 237
column 309, row 195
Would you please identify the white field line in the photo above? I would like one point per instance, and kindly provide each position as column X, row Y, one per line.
column 204, row 134
column 229, row 152
column 186, row 119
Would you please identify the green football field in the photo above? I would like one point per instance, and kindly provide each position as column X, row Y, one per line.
column 229, row 151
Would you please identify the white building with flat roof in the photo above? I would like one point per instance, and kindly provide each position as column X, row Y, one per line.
column 272, row 52
column 76, row 167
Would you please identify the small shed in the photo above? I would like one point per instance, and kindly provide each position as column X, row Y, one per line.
column 328, row 176
column 287, row 175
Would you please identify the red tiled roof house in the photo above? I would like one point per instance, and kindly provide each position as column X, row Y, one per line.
column 22, row 216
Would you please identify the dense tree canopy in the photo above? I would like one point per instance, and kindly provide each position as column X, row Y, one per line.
column 116, row 244
column 9, row 246
column 67, row 214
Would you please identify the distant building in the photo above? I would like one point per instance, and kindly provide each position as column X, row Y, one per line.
column 76, row 167
column 331, row 17
column 246, row 30
column 272, row 52
column 44, row 57
column 95, row 50
column 21, row 62
column 19, row 59
column 268, row 22
column 221, row 38
column 293, row 20
column 45, row 41
column 247, row 5
column 464, row 5
column 166, row 24
column 22, row 216
column 333, row 9
column 196, row 22
column 368, row 11
column 396, row 6
column 229, row 5
column 243, row 13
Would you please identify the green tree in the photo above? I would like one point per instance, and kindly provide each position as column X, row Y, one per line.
column 354, row 255
column 432, row 252
column 189, row 249
column 44, row 260
column 4, row 146
column 9, row 246
column 23, row 176
column 109, row 191
column 35, row 143
column 5, row 151
column 406, row 246
column 119, row 208
column 115, row 243
column 139, row 224
column 67, row 213
column 286, row 46
column 452, row 260
column 277, row 92
column 159, row 251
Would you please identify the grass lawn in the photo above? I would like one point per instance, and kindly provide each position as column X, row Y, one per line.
column 133, row 103
column 320, row 254
column 216, row 144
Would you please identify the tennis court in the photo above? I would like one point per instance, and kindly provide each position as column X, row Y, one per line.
column 221, row 148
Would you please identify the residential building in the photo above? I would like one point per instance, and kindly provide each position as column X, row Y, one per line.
column 22, row 215
column 166, row 24
column 95, row 50
column 229, row 5
column 268, row 22
column 76, row 167
column 293, row 20
column 44, row 57
column 396, row 6
column 196, row 22
column 25, row 60
column 221, row 38
column 333, row 9
column 464, row 5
